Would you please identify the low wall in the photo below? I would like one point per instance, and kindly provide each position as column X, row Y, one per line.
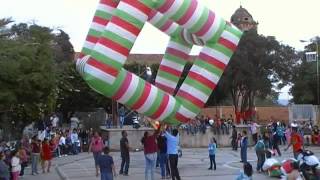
column 188, row 141
column 263, row 113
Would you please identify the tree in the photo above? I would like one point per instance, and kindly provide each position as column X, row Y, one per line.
column 27, row 74
column 304, row 88
column 258, row 64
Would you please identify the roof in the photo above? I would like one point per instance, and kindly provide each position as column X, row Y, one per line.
column 242, row 15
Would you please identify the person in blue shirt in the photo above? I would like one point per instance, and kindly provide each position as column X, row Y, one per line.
column 106, row 166
column 244, row 146
column 212, row 147
column 172, row 151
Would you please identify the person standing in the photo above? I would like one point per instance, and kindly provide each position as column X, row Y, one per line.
column 172, row 150
column 150, row 153
column 234, row 138
column 74, row 141
column 46, row 156
column 96, row 146
column 212, row 147
column 15, row 165
column 121, row 116
column 23, row 160
column 125, row 156
column 296, row 141
column 244, row 146
column 35, row 155
column 163, row 157
column 106, row 165
column 254, row 131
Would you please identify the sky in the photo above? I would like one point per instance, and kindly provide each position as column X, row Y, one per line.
column 288, row 20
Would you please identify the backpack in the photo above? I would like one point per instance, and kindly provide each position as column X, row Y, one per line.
column 260, row 145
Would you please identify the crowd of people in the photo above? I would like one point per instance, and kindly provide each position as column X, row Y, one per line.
column 160, row 147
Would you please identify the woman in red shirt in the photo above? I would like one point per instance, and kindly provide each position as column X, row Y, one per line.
column 150, row 152
column 46, row 155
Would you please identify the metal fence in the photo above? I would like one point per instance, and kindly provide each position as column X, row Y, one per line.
column 304, row 113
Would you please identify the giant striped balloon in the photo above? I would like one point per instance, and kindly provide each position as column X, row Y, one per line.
column 114, row 29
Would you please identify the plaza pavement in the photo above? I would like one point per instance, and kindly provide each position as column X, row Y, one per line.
column 192, row 166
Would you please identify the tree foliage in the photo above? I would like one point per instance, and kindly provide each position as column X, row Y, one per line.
column 258, row 64
column 304, row 88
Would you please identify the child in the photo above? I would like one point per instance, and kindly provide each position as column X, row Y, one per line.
column 106, row 165
column 15, row 164
column 46, row 156
column 212, row 147
column 247, row 172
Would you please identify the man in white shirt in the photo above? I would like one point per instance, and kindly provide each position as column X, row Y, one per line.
column 54, row 121
column 254, row 131
column 74, row 122
column 74, row 141
column 62, row 143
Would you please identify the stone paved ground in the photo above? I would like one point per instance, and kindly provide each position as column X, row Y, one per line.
column 193, row 165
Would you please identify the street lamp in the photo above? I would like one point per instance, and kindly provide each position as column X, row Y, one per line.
column 317, row 59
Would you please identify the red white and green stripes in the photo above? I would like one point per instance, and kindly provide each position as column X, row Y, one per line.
column 205, row 73
column 101, row 18
column 193, row 16
column 113, row 32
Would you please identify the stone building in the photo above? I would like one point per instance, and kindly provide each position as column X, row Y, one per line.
column 243, row 20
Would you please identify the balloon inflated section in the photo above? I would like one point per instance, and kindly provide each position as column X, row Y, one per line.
column 114, row 29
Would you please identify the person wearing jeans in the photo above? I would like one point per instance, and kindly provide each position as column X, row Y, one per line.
column 212, row 147
column 150, row 153
column 172, row 151
column 35, row 155
column 96, row 146
column 163, row 157
column 244, row 146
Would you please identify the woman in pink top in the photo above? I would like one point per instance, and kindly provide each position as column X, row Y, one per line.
column 287, row 133
column 96, row 146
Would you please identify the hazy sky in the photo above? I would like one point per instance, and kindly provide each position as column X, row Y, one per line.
column 287, row 20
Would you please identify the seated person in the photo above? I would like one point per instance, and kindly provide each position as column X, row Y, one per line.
column 271, row 165
column 247, row 172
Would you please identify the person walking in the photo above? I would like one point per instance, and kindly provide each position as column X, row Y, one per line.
column 96, row 146
column 46, row 156
column 172, row 150
column 296, row 141
column 261, row 148
column 106, row 165
column 276, row 137
column 163, row 157
column 244, row 146
column 15, row 165
column 150, row 153
column 35, row 155
column 125, row 156
column 212, row 147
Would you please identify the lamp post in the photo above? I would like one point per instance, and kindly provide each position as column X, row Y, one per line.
column 317, row 59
